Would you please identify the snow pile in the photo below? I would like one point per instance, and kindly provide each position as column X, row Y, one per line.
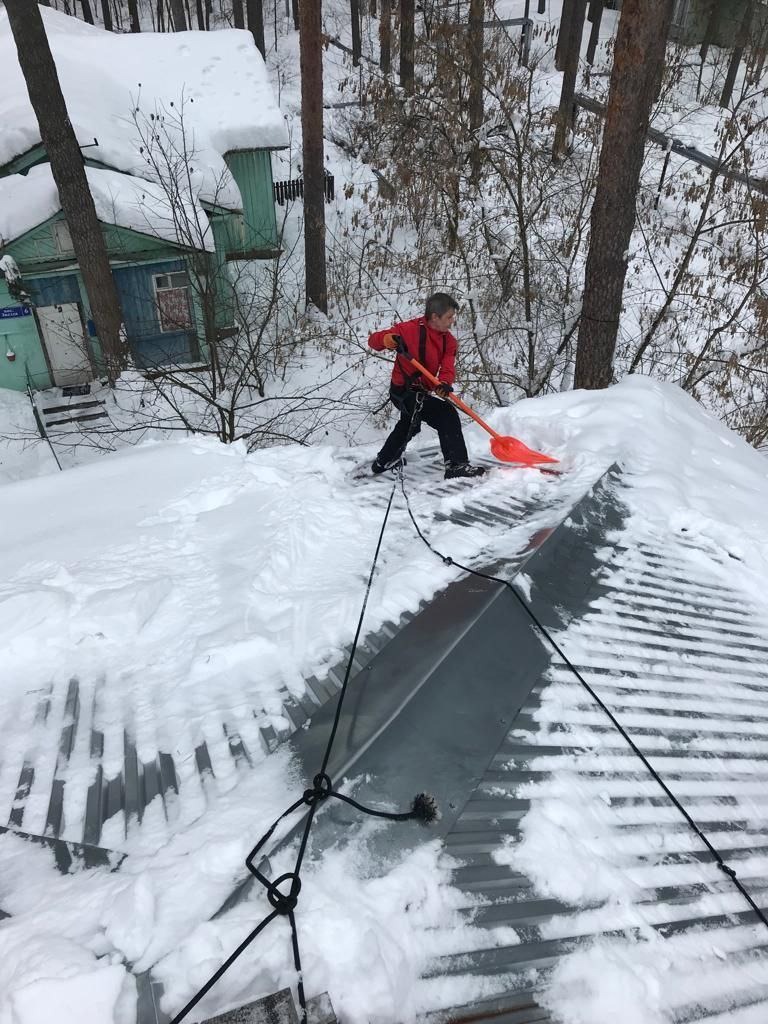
column 23, row 453
column 26, row 200
column 220, row 78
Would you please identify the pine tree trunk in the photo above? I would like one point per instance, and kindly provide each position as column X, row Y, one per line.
column 407, row 16
column 87, row 12
column 476, row 78
column 595, row 16
column 68, row 171
column 638, row 65
column 296, row 15
column 385, row 37
column 563, row 34
column 200, row 13
column 133, row 14
column 571, row 54
column 255, row 10
column 354, row 14
column 106, row 15
column 311, row 61
column 741, row 42
column 179, row 16
column 238, row 15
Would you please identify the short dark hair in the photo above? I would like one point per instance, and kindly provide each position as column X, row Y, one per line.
column 439, row 304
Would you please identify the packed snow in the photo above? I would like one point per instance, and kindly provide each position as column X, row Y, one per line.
column 192, row 577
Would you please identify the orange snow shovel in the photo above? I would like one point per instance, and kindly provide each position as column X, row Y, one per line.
column 505, row 449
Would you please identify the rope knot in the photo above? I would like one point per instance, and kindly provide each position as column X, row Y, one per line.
column 284, row 903
column 727, row 869
column 447, row 560
column 322, row 787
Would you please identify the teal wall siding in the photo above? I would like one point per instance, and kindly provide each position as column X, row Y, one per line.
column 37, row 250
column 252, row 170
column 19, row 335
column 21, row 164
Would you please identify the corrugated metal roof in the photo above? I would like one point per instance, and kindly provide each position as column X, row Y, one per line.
column 681, row 659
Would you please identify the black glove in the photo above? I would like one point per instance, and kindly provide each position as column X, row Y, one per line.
column 400, row 345
column 443, row 390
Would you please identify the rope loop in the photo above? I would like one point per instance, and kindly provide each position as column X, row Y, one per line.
column 322, row 788
column 284, row 903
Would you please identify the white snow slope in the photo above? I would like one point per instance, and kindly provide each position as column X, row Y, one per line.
column 182, row 579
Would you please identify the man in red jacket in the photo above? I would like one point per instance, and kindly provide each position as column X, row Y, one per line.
column 427, row 338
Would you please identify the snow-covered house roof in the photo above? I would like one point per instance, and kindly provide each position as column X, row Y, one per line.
column 218, row 79
column 194, row 618
column 27, row 200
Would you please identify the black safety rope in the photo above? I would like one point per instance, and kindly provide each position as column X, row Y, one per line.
column 725, row 868
column 423, row 808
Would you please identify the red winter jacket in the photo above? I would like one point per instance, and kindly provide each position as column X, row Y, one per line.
column 439, row 356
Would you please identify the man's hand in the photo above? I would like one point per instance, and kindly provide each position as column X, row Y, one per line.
column 443, row 390
column 389, row 341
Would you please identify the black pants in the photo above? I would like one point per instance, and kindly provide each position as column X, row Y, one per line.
column 439, row 414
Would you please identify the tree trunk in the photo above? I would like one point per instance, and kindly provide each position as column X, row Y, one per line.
column 296, row 14
column 571, row 54
column 354, row 14
column 638, row 65
column 385, row 37
column 106, row 15
column 563, row 35
column 741, row 42
column 200, row 13
column 407, row 15
column 595, row 16
column 68, row 171
column 476, row 36
column 87, row 12
column 311, row 62
column 255, row 10
column 133, row 14
column 179, row 16
column 238, row 15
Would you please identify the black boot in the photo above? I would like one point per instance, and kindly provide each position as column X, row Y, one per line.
column 457, row 469
column 379, row 467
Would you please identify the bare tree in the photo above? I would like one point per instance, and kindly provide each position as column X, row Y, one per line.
column 133, row 14
column 476, row 37
column 570, row 58
column 178, row 16
column 68, row 171
column 742, row 39
column 407, row 31
column 354, row 15
column 255, row 11
column 637, row 69
column 385, row 37
column 311, row 61
column 106, row 15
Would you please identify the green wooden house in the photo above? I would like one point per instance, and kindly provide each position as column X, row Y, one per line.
column 159, row 249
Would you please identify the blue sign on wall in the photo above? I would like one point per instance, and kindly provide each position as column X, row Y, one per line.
column 8, row 312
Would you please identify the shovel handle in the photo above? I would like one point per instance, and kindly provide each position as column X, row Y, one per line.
column 438, row 383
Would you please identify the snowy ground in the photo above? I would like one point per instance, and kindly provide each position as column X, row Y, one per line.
column 186, row 573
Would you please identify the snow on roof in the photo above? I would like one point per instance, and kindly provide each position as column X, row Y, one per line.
column 220, row 76
column 27, row 200
column 157, row 594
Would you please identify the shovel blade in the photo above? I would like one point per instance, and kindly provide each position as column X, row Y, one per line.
column 509, row 449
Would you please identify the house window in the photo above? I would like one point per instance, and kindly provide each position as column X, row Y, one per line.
column 173, row 305
column 61, row 237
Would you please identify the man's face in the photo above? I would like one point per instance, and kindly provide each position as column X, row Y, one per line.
column 444, row 322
